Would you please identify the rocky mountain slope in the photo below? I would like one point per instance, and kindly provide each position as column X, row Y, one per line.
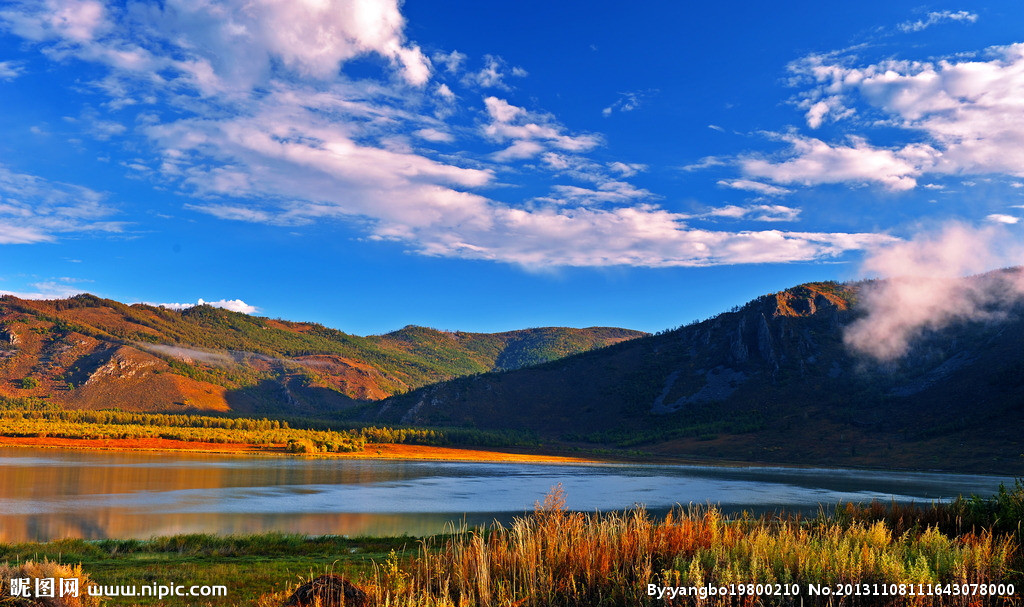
column 87, row 352
column 771, row 381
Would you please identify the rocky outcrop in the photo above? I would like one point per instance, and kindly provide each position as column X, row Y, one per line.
column 765, row 347
column 738, row 349
column 124, row 363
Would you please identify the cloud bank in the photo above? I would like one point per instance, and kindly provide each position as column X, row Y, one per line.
column 966, row 114
column 249, row 110
column 235, row 305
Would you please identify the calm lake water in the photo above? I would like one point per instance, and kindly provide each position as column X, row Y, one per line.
column 50, row 493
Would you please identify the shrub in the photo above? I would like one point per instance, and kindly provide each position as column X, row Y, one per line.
column 302, row 446
column 44, row 570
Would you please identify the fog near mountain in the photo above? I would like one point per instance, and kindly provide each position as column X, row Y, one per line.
column 923, row 287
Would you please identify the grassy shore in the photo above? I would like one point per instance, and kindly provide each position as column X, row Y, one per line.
column 250, row 566
column 559, row 558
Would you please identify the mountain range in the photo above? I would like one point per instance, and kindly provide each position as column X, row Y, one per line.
column 769, row 381
column 91, row 353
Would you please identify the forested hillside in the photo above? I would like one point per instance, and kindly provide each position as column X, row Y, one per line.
column 770, row 381
column 87, row 352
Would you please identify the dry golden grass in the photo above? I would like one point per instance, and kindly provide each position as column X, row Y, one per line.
column 555, row 558
column 45, row 570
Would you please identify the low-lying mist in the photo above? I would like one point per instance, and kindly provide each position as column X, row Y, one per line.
column 924, row 286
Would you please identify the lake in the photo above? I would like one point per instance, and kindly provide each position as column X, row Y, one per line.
column 52, row 493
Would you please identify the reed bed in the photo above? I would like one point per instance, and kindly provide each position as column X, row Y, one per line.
column 557, row 558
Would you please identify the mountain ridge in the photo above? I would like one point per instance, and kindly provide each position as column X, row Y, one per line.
column 770, row 381
column 90, row 352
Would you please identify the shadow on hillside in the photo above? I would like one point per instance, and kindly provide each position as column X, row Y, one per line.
column 274, row 397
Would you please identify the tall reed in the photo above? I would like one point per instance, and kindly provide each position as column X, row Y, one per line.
column 558, row 558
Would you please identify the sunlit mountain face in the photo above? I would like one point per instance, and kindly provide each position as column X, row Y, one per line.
column 84, row 352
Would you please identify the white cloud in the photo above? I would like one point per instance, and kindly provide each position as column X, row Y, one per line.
column 56, row 288
column 585, row 170
column 441, row 221
column 607, row 191
column 263, row 125
column 516, row 124
column 820, row 108
column 74, row 20
column 627, row 102
column 445, row 93
column 523, row 148
column 707, row 162
column 493, row 74
column 638, row 236
column 757, row 212
column 501, row 110
column 34, row 210
column 936, row 17
column 9, row 70
column 812, row 161
column 627, row 169
column 452, row 61
column 1001, row 218
column 105, row 129
column 170, row 306
column 241, row 213
column 435, row 135
column 754, row 186
column 225, row 45
column 967, row 113
column 235, row 305
column 14, row 234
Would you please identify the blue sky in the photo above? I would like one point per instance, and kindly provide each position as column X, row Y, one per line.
column 487, row 167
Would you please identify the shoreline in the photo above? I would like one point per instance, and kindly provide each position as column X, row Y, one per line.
column 373, row 451
column 410, row 452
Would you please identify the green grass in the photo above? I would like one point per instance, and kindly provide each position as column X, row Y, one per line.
column 250, row 566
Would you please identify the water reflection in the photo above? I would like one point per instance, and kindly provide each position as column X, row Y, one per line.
column 49, row 493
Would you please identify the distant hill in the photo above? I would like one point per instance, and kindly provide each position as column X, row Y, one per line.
column 771, row 381
column 88, row 352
